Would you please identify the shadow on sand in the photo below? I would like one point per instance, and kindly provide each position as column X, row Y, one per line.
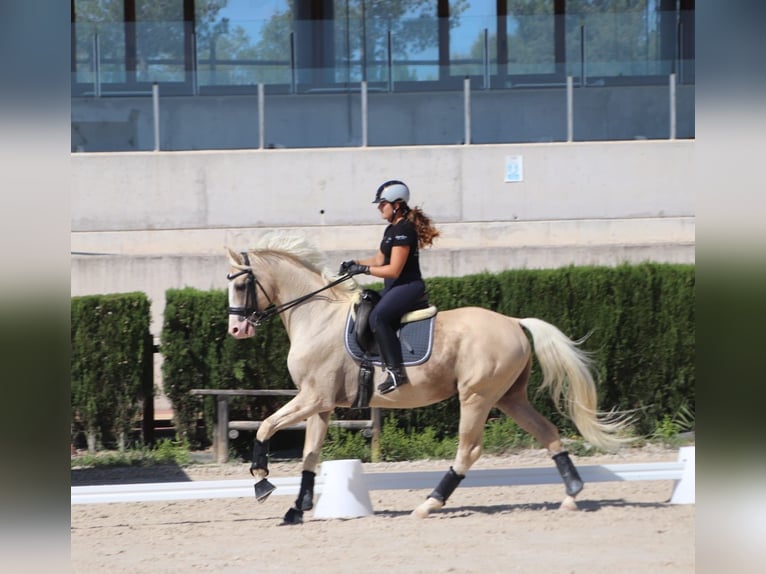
column 583, row 505
column 128, row 475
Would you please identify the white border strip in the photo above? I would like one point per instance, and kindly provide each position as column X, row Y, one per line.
column 193, row 490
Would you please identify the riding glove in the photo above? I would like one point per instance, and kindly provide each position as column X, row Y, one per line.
column 345, row 265
column 356, row 269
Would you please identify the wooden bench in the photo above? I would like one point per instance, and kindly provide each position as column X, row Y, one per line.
column 223, row 425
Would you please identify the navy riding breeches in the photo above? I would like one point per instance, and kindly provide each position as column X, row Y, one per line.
column 395, row 302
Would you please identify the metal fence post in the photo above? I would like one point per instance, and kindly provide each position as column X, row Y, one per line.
column 261, row 117
column 570, row 109
column 293, row 81
column 467, row 110
column 156, row 109
column 582, row 56
column 364, row 113
column 672, row 97
column 390, row 57
column 96, row 66
column 486, row 59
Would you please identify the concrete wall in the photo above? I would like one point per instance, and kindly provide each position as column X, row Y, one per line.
column 153, row 221
column 192, row 190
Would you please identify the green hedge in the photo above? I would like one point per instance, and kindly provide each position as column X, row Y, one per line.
column 640, row 319
column 198, row 353
column 111, row 365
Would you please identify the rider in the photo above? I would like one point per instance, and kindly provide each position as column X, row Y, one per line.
column 397, row 263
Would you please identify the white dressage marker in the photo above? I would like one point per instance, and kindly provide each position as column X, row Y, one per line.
column 683, row 491
column 345, row 493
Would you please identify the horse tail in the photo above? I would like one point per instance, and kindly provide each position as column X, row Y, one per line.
column 567, row 376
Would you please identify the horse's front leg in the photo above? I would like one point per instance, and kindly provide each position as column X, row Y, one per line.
column 298, row 409
column 316, row 431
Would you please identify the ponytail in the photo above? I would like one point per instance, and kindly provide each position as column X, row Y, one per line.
column 425, row 229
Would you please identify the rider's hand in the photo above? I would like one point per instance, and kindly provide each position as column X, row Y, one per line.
column 356, row 269
column 345, row 266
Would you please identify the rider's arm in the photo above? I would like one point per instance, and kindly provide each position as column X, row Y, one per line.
column 376, row 260
column 399, row 255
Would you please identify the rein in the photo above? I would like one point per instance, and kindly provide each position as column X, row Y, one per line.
column 250, row 311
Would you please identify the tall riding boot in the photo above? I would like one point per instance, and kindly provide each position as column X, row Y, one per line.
column 391, row 353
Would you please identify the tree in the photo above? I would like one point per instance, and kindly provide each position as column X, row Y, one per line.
column 249, row 52
column 358, row 23
column 620, row 37
column 159, row 31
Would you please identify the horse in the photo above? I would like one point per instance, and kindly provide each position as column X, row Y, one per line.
column 482, row 356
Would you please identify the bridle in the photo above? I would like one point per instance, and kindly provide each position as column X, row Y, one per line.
column 250, row 311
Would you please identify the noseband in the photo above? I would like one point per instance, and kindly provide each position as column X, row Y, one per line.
column 250, row 311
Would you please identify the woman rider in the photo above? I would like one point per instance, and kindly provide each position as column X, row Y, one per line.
column 397, row 263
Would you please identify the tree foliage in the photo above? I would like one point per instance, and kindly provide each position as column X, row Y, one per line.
column 620, row 37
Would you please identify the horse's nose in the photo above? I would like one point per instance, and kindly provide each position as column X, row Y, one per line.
column 239, row 329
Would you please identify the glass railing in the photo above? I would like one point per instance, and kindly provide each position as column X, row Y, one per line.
column 620, row 48
column 377, row 84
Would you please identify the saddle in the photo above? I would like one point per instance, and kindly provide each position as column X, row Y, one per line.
column 415, row 337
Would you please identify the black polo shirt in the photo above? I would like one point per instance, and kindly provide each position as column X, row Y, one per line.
column 404, row 234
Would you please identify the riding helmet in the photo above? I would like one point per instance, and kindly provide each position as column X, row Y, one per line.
column 392, row 191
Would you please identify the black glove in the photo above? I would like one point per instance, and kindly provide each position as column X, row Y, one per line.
column 356, row 269
column 344, row 266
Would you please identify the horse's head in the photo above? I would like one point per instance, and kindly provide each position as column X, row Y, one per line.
column 290, row 272
column 243, row 299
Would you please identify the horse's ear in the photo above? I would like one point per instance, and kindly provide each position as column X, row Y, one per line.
column 234, row 257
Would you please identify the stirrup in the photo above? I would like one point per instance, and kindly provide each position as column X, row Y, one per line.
column 395, row 379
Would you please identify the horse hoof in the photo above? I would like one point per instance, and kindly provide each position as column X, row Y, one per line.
column 569, row 504
column 425, row 509
column 293, row 516
column 263, row 489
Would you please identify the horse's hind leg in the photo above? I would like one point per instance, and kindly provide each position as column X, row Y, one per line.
column 516, row 405
column 473, row 414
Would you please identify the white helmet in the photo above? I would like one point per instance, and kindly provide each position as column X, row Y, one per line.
column 392, row 191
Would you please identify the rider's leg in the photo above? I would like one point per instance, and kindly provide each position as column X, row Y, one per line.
column 391, row 352
column 384, row 321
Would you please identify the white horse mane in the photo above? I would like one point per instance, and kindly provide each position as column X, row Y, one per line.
column 296, row 244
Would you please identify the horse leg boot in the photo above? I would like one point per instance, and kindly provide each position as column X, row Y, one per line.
column 440, row 494
column 391, row 352
column 260, row 468
column 516, row 405
column 305, row 500
column 571, row 478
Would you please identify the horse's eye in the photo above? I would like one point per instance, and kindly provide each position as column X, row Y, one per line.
column 239, row 287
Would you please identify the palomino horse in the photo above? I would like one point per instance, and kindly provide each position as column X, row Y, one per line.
column 480, row 355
